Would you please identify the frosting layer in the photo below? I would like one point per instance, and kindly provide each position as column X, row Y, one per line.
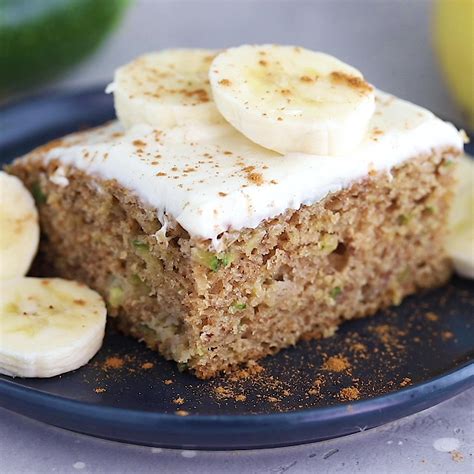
column 211, row 179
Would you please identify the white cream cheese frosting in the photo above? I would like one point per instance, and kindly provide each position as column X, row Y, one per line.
column 212, row 179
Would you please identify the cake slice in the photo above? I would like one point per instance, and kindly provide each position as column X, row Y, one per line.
column 215, row 251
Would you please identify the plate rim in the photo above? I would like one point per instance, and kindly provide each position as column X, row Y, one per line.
column 384, row 408
column 464, row 372
column 224, row 432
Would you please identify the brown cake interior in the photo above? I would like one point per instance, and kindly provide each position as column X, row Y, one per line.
column 297, row 275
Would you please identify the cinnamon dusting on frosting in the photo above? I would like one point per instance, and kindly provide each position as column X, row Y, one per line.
column 355, row 82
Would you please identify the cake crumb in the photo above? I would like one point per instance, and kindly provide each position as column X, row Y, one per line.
column 359, row 347
column 227, row 392
column 223, row 392
column 406, row 381
column 147, row 365
column 349, row 393
column 178, row 401
column 100, row 390
column 168, row 382
column 181, row 412
column 316, row 387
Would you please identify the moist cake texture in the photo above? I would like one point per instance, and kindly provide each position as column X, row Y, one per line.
column 215, row 251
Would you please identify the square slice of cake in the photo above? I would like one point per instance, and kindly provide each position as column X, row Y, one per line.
column 215, row 251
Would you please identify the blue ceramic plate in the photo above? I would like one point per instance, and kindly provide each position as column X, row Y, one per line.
column 399, row 362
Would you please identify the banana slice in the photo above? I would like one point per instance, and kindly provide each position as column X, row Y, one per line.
column 19, row 228
column 48, row 326
column 460, row 243
column 165, row 89
column 290, row 99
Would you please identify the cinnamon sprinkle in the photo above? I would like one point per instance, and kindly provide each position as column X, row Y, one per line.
column 430, row 316
column 256, row 178
column 355, row 82
column 336, row 363
column 113, row 363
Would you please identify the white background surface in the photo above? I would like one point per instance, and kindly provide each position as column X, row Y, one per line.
column 390, row 42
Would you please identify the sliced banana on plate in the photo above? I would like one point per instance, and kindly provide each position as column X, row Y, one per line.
column 460, row 243
column 290, row 99
column 48, row 326
column 165, row 89
column 19, row 228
